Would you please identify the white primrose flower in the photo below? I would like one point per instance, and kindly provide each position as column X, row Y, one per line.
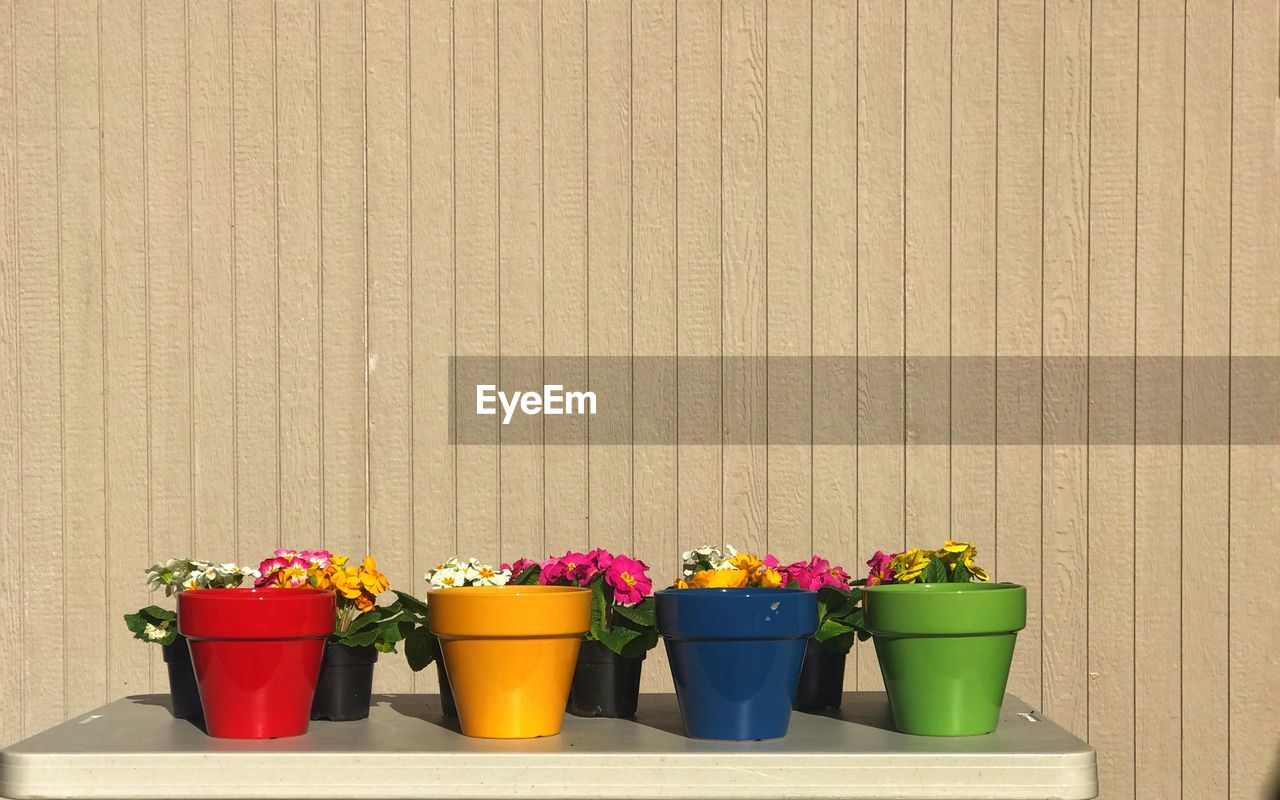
column 154, row 633
column 488, row 576
column 445, row 578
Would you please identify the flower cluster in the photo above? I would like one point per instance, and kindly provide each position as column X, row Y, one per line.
column 812, row 574
column 709, row 567
column 356, row 587
column 627, row 577
column 951, row 563
column 178, row 574
column 455, row 572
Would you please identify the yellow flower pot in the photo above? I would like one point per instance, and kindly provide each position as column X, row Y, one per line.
column 511, row 652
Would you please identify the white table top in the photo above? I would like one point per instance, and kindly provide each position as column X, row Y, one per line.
column 133, row 748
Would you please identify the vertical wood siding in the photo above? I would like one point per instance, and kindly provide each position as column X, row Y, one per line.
column 241, row 241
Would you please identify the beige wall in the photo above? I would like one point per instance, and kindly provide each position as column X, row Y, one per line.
column 240, row 243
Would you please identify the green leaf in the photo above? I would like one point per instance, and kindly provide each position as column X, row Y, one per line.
column 934, row 572
column 419, row 648
column 412, row 604
column 527, row 576
column 961, row 573
column 642, row 614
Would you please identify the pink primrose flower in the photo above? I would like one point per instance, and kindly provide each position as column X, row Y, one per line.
column 629, row 579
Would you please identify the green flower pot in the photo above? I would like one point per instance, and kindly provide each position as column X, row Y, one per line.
column 944, row 651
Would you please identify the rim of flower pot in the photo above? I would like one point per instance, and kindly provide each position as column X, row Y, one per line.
column 745, row 613
column 509, row 611
column 261, row 613
column 944, row 609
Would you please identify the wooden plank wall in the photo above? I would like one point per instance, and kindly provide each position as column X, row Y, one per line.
column 240, row 241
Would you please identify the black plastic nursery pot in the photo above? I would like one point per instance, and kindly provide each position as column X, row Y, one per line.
column 345, row 687
column 605, row 684
column 821, row 678
column 184, row 697
column 447, row 706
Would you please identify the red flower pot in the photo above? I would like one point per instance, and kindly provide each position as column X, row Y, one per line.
column 257, row 655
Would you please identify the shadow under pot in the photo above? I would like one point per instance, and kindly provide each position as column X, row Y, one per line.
column 510, row 652
column 944, row 651
column 344, row 690
column 821, row 684
column 736, row 656
column 447, row 706
column 605, row 684
column 256, row 654
column 184, row 697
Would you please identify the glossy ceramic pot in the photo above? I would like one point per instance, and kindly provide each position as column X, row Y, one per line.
column 944, row 651
column 184, row 697
column 344, row 689
column 510, row 653
column 821, row 684
column 605, row 684
column 736, row 656
column 257, row 655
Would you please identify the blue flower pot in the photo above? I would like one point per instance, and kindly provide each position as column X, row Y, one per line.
column 735, row 656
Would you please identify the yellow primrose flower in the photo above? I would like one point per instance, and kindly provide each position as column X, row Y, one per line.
column 346, row 582
column 719, row 579
column 746, row 561
column 374, row 582
column 767, row 578
column 908, row 565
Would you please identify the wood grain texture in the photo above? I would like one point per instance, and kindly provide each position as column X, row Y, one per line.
column 344, row 283
column 835, row 288
column 609, row 270
column 653, row 231
column 789, row 278
column 520, row 268
column 12, row 671
column 297, row 108
column 1206, row 477
column 40, row 362
column 973, row 278
column 927, row 269
column 168, row 287
column 744, row 239
column 388, row 330
column 83, row 420
column 699, row 271
column 432, row 277
column 1158, row 508
column 1112, row 293
column 212, row 281
column 1022, row 113
column 477, row 321
column 564, row 280
column 881, row 400
column 1254, row 466
column 255, row 289
column 241, row 244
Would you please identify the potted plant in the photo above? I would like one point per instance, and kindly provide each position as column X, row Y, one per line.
column 421, row 647
column 735, row 637
column 606, row 680
column 509, row 649
column 256, row 654
column 944, row 636
column 361, row 630
column 821, row 684
column 158, row 625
